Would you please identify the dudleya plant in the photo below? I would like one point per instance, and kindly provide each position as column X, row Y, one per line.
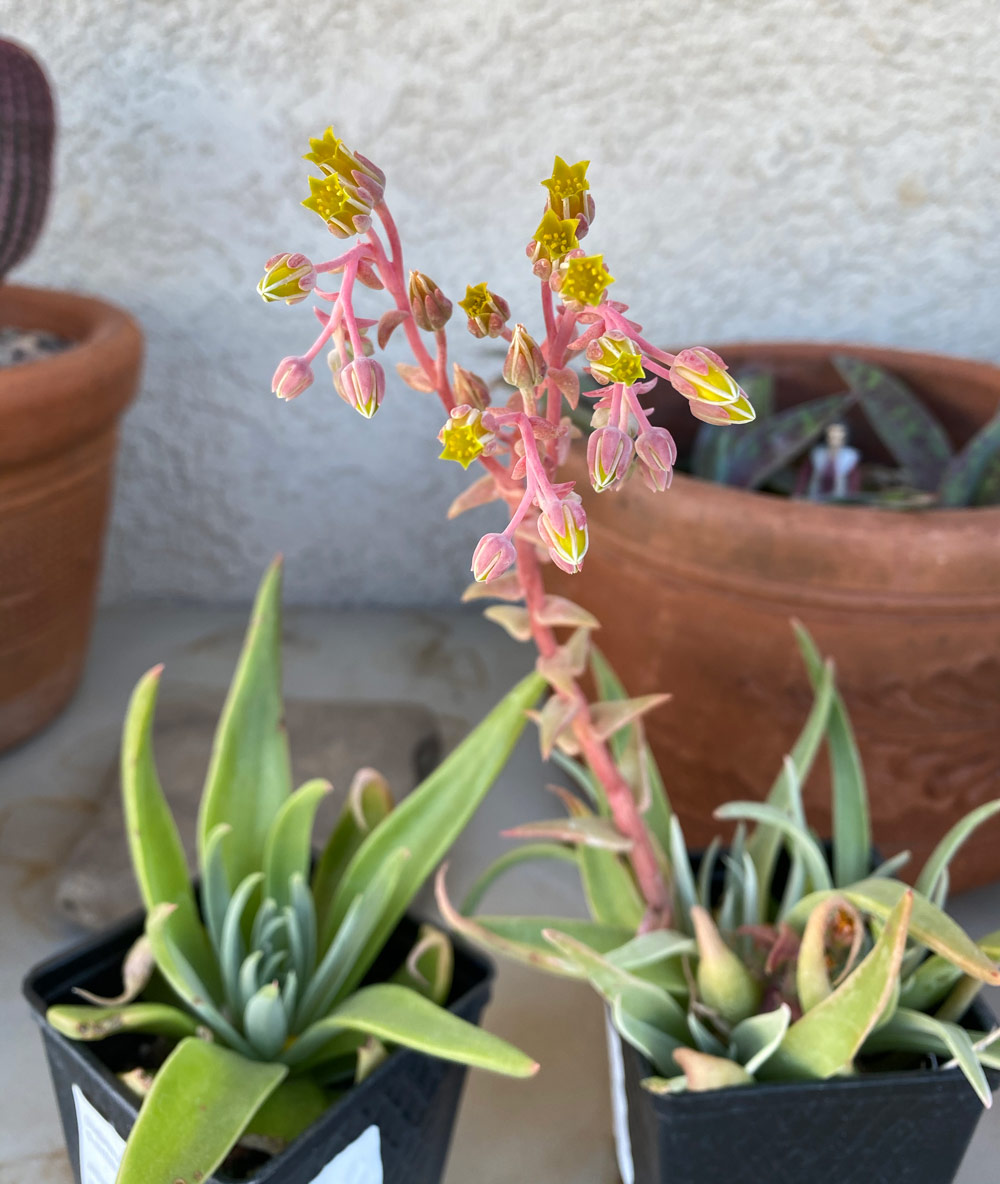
column 781, row 960
column 256, row 978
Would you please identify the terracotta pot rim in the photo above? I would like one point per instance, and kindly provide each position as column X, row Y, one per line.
column 51, row 403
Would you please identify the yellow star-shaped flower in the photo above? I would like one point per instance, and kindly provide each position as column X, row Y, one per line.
column 585, row 279
column 555, row 236
column 328, row 198
column 462, row 443
column 567, row 180
column 627, row 370
column 477, row 302
column 329, row 154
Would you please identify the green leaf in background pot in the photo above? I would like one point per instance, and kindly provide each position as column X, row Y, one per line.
column 429, row 820
column 249, row 775
column 956, row 1039
column 764, row 448
column 201, row 1101
column 903, row 424
column 80, row 1021
column 967, row 469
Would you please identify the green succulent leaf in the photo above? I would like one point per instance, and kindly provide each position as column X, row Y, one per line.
column 936, row 976
column 904, row 425
column 657, row 1046
column 288, row 848
column 758, row 1037
column 946, row 850
column 988, row 490
column 685, row 888
column 765, row 447
column 648, row 949
column 703, row 1072
column 912, row 1029
column 799, row 838
column 529, row 853
column 249, row 775
column 200, row 1103
column 434, row 814
column 86, row 1022
column 265, row 1022
column 966, row 471
column 827, row 1038
column 851, row 825
column 291, row 1109
column 581, row 831
column 216, row 891
column 397, row 1015
column 429, row 966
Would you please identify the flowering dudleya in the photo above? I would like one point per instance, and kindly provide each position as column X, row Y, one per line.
column 287, row 277
column 361, row 384
column 582, row 280
column 291, row 378
column 488, row 313
column 716, row 397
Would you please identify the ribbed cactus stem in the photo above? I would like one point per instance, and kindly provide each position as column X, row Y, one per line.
column 27, row 134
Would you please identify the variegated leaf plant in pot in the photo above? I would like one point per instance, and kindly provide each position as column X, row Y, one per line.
column 284, row 1012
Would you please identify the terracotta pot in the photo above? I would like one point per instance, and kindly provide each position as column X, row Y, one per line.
column 58, row 433
column 695, row 589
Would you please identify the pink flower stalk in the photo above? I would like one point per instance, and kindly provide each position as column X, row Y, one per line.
column 520, row 447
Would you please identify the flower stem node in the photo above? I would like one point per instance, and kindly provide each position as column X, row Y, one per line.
column 582, row 280
column 488, row 313
column 657, row 455
column 361, row 384
column 430, row 307
column 703, row 378
column 494, row 555
column 609, row 455
column 524, row 366
column 569, row 195
column 287, row 277
column 464, row 436
column 292, row 377
column 563, row 529
column 615, row 358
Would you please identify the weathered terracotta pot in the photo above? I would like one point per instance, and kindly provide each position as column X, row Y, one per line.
column 695, row 590
column 58, row 434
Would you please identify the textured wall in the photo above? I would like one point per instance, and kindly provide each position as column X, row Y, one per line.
column 762, row 168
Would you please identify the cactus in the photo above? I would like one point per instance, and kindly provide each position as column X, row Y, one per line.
column 779, row 960
column 269, row 1018
column 27, row 134
column 780, row 451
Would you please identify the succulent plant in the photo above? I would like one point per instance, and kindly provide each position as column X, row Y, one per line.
column 27, row 134
column 781, row 958
column 804, row 450
column 261, row 990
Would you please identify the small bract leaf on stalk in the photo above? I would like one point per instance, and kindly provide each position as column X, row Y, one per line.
column 515, row 620
column 479, row 493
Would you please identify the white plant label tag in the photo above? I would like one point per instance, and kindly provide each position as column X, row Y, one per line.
column 101, row 1146
column 360, row 1163
column 619, row 1105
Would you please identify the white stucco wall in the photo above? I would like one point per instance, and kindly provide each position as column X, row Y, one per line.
column 762, row 168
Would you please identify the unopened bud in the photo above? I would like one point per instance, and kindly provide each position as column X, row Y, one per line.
column 524, row 366
column 657, row 455
column 430, row 307
column 287, row 277
column 361, row 384
column 563, row 529
column 609, row 454
column 492, row 557
column 292, row 377
column 470, row 388
column 701, row 376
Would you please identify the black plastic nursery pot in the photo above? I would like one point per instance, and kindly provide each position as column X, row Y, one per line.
column 394, row 1128
column 909, row 1127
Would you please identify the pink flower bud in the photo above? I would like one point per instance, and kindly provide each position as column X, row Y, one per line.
column 430, row 307
column 609, row 454
column 657, row 455
column 563, row 529
column 291, row 378
column 524, row 366
column 494, row 555
column 361, row 384
column 487, row 312
column 470, row 388
column 287, row 277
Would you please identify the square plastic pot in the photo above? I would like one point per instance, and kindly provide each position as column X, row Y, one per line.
column 909, row 1127
column 410, row 1100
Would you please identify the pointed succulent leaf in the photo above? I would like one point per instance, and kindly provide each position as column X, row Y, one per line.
column 765, row 842
column 953, row 1037
column 215, row 887
column 657, row 1046
column 429, row 966
column 889, row 868
column 435, row 813
column 610, row 889
column 584, row 779
column 388, row 323
column 249, row 776
column 371, row 1054
column 757, row 1037
column 703, row 1072
column 288, row 847
column 965, row 471
column 414, row 377
column 583, row 832
column 552, row 721
column 265, row 1022
column 610, row 717
column 763, row 448
column 369, row 801
column 936, row 976
column 641, row 999
column 799, row 838
column 904, row 425
column 704, row 1039
column 506, row 587
column 664, row 1087
column 137, row 970
column 706, row 869
column 948, row 847
column 79, row 1021
column 812, row 978
column 680, row 862
column 158, row 858
column 724, row 983
column 291, row 1109
column 479, row 493
column 529, row 853
column 557, row 611
column 647, row 949
column 397, row 1015
column 512, row 618
column 201, row 1101
column 232, row 949
column 826, row 1039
